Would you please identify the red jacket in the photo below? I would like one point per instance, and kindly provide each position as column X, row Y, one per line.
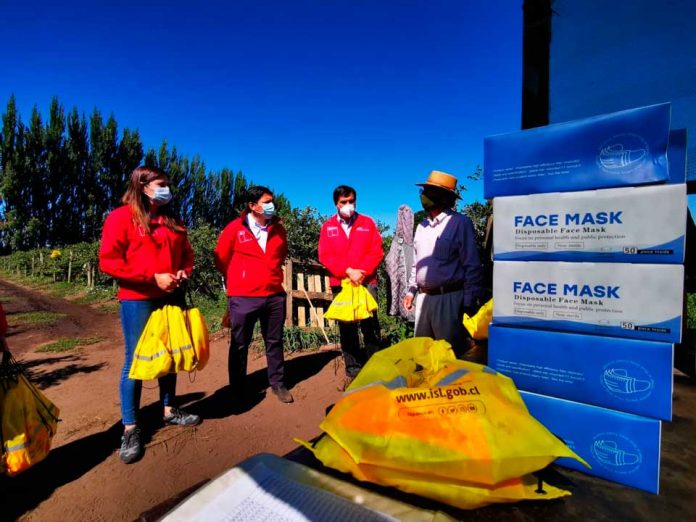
column 362, row 249
column 133, row 257
column 248, row 270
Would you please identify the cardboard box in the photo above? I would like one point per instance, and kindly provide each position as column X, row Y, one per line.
column 612, row 299
column 676, row 155
column 620, row 447
column 630, row 225
column 613, row 150
column 622, row 374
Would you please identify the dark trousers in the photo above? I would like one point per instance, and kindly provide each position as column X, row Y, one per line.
column 354, row 356
column 244, row 312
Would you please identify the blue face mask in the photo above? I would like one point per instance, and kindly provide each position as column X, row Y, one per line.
column 161, row 196
column 268, row 210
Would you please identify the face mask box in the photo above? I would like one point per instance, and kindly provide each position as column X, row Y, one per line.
column 622, row 374
column 611, row 299
column 613, row 150
column 620, row 447
column 630, row 225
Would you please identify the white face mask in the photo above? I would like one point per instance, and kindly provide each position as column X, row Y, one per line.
column 161, row 196
column 347, row 210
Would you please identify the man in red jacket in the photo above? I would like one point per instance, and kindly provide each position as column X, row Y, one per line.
column 350, row 246
column 250, row 254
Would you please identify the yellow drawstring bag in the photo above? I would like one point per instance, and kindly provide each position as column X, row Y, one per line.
column 440, row 417
column 477, row 326
column 152, row 358
column 458, row 493
column 198, row 330
column 172, row 340
column 179, row 340
column 352, row 303
column 28, row 421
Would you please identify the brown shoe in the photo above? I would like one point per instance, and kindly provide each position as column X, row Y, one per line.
column 347, row 381
column 282, row 393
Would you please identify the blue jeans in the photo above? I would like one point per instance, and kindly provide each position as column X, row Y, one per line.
column 134, row 316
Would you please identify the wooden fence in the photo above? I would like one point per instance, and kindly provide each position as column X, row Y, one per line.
column 309, row 294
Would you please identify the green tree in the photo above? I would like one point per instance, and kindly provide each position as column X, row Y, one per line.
column 8, row 134
column 129, row 156
column 55, row 186
column 37, row 180
column 77, row 180
column 303, row 226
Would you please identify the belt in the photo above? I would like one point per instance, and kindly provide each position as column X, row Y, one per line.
column 444, row 289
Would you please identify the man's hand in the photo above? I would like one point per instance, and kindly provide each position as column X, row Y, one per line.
column 408, row 302
column 355, row 275
column 167, row 282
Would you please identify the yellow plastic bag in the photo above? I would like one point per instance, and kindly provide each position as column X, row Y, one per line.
column 29, row 422
column 477, row 326
column 152, row 358
column 198, row 330
column 437, row 416
column 179, row 340
column 352, row 303
column 459, row 493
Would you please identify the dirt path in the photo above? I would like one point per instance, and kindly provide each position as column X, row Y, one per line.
column 82, row 478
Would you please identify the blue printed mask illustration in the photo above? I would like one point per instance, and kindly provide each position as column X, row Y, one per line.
column 627, row 380
column 616, row 453
column 607, row 452
column 618, row 381
column 623, row 153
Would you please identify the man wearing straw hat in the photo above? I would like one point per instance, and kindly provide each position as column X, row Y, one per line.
column 448, row 279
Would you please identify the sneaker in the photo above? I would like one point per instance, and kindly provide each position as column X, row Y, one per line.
column 131, row 446
column 282, row 393
column 181, row 418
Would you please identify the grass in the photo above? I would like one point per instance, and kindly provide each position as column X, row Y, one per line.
column 39, row 318
column 97, row 295
column 68, row 343
column 212, row 310
column 109, row 307
column 6, row 299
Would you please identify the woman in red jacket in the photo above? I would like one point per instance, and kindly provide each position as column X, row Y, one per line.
column 146, row 250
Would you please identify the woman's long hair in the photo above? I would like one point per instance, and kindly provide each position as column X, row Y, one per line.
column 139, row 203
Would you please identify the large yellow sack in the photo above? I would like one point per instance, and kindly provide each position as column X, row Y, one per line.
column 28, row 421
column 406, row 362
column 434, row 415
column 456, row 493
column 352, row 303
column 477, row 326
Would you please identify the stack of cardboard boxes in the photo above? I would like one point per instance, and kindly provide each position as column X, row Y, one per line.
column 589, row 226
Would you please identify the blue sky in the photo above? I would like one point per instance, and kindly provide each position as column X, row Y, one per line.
column 299, row 95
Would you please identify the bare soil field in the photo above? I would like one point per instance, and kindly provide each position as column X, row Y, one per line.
column 83, row 478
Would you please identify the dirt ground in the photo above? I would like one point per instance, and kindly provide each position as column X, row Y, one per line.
column 83, row 478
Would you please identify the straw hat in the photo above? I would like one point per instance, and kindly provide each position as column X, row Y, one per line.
column 441, row 180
